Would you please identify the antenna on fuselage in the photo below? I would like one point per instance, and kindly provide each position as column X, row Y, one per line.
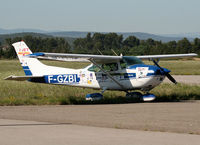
column 114, row 52
column 99, row 51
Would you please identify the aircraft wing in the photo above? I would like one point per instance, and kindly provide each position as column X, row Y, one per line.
column 100, row 58
column 76, row 57
column 167, row 56
column 22, row 78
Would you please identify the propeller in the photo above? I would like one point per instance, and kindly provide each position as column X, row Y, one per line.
column 165, row 73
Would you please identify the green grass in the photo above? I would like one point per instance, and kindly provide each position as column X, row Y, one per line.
column 171, row 92
column 26, row 93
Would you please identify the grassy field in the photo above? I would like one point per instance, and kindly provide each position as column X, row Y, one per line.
column 26, row 93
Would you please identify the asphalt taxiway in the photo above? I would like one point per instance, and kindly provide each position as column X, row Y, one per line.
column 136, row 123
column 19, row 132
column 186, row 79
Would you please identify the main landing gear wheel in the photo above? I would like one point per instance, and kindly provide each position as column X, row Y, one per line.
column 141, row 97
column 94, row 97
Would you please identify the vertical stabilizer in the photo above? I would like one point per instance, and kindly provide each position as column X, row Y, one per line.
column 31, row 66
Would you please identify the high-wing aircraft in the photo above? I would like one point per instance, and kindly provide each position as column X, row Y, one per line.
column 124, row 73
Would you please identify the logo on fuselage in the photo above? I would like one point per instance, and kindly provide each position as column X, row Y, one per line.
column 24, row 51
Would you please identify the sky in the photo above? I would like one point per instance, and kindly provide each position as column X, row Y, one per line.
column 150, row 16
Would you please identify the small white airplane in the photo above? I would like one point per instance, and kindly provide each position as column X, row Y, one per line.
column 124, row 73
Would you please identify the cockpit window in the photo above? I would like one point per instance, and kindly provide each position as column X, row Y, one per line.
column 124, row 63
column 107, row 67
column 130, row 60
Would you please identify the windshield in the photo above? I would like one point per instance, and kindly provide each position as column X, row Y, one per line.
column 130, row 60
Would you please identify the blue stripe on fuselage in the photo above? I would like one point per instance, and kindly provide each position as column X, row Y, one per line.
column 133, row 75
column 27, row 71
column 25, row 67
column 129, row 75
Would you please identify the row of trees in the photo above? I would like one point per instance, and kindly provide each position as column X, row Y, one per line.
column 101, row 43
column 132, row 45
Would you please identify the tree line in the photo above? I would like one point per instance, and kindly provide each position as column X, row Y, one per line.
column 132, row 45
column 100, row 43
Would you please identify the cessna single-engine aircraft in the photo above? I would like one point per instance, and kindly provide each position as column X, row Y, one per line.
column 124, row 73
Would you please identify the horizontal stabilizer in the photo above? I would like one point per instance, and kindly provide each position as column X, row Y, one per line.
column 22, row 78
column 36, row 54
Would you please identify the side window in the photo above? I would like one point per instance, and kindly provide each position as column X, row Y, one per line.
column 106, row 67
column 110, row 67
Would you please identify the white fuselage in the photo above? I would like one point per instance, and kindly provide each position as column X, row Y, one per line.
column 130, row 79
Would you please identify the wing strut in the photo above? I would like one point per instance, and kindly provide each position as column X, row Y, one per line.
column 108, row 74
